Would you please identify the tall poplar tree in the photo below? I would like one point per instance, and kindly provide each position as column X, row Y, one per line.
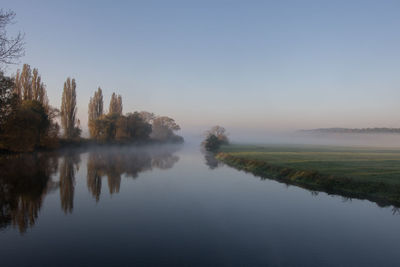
column 95, row 111
column 38, row 88
column 115, row 105
column 29, row 86
column 69, row 121
column 23, row 83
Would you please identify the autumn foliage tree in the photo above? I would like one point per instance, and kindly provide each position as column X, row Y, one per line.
column 26, row 119
column 95, row 111
column 29, row 86
column 26, row 128
column 115, row 105
column 114, row 126
column 69, row 122
column 132, row 127
column 163, row 129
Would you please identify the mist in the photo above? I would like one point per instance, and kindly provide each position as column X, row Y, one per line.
column 244, row 136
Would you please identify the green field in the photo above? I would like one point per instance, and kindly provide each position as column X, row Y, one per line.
column 363, row 172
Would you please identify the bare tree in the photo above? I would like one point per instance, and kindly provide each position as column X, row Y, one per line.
column 7, row 98
column 11, row 48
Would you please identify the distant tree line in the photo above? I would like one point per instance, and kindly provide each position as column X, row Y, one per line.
column 355, row 130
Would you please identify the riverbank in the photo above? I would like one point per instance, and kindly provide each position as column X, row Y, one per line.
column 363, row 173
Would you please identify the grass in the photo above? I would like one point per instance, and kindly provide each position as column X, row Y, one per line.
column 372, row 173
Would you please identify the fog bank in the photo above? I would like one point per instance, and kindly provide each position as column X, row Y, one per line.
column 334, row 139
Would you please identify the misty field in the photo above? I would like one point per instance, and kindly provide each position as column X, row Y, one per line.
column 368, row 172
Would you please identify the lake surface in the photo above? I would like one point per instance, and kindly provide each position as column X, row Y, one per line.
column 175, row 206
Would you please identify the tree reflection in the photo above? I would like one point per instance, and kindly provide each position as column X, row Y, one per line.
column 24, row 182
column 112, row 163
column 26, row 179
column 210, row 160
column 69, row 165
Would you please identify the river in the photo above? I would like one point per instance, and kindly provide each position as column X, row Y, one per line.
column 176, row 206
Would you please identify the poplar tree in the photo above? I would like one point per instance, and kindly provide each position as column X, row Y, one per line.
column 23, row 83
column 115, row 105
column 95, row 111
column 69, row 121
column 29, row 86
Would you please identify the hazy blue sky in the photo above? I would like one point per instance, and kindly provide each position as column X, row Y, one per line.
column 257, row 65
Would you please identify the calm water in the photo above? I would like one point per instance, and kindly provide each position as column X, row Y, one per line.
column 174, row 206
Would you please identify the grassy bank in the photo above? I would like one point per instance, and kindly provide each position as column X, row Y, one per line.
column 363, row 173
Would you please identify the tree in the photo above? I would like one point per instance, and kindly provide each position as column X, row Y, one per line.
column 105, row 128
column 131, row 128
column 115, row 105
column 220, row 133
column 139, row 129
column 7, row 99
column 38, row 88
column 212, row 143
column 215, row 137
column 11, row 48
column 163, row 129
column 23, row 83
column 26, row 122
column 147, row 116
column 29, row 85
column 69, row 122
column 95, row 111
column 26, row 128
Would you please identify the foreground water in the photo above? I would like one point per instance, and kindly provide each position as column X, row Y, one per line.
column 174, row 206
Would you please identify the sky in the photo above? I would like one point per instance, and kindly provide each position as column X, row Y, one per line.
column 251, row 66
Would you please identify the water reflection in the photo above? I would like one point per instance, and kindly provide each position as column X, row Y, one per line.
column 210, row 160
column 68, row 167
column 25, row 180
column 112, row 164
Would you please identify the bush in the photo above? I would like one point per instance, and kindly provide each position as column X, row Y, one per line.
column 212, row 143
column 27, row 128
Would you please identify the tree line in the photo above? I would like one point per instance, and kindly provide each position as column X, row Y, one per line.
column 114, row 126
column 28, row 122
column 354, row 130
